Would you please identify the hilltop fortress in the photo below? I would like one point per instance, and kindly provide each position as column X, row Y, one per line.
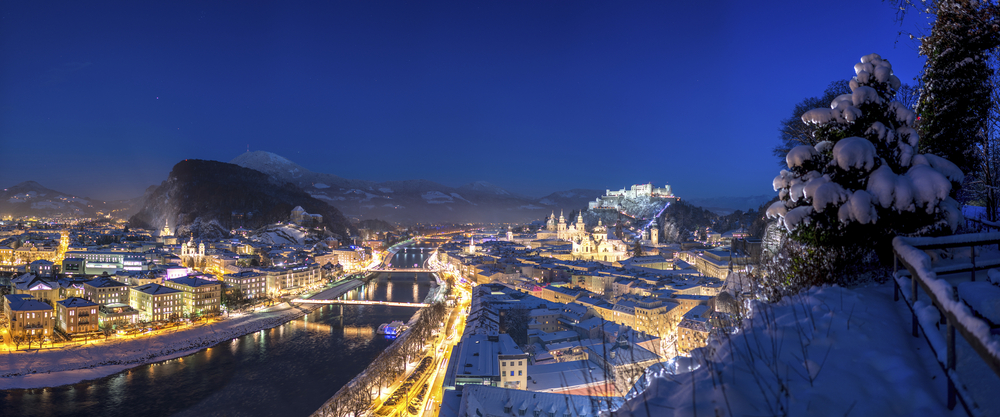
column 613, row 199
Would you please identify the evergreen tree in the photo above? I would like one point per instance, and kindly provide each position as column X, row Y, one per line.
column 864, row 180
column 637, row 248
column 955, row 100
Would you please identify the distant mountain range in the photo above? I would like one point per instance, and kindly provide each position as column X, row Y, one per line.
column 407, row 201
column 412, row 201
column 30, row 198
column 727, row 205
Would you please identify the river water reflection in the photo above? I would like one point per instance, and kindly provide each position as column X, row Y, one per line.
column 288, row 370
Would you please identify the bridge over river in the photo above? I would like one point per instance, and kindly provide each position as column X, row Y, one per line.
column 391, row 269
column 358, row 302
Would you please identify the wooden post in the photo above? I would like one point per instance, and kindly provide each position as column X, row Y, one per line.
column 973, row 249
column 951, row 365
column 913, row 300
column 895, row 284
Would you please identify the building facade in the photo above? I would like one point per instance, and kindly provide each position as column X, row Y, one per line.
column 252, row 283
column 77, row 315
column 282, row 281
column 104, row 290
column 28, row 317
column 155, row 302
column 198, row 295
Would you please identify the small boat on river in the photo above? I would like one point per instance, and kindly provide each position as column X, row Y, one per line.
column 393, row 328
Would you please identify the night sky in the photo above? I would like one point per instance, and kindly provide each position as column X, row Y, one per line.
column 535, row 97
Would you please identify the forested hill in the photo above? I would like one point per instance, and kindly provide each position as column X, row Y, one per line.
column 201, row 197
column 681, row 219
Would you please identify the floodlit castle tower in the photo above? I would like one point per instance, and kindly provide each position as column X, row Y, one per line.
column 654, row 232
column 580, row 226
column 472, row 245
column 510, row 234
column 562, row 222
column 551, row 224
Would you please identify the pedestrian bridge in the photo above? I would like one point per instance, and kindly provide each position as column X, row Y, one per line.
column 384, row 269
column 358, row 302
column 415, row 248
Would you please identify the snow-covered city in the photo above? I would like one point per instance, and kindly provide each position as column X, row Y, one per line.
column 454, row 209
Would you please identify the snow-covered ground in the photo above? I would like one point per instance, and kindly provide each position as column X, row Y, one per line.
column 50, row 368
column 283, row 235
column 437, row 197
column 828, row 351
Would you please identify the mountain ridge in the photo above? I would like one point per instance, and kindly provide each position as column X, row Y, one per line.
column 414, row 200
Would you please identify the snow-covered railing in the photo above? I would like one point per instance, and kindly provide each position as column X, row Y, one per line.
column 910, row 252
column 982, row 224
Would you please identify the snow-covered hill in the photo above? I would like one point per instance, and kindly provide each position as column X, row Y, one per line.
column 828, row 351
column 485, row 187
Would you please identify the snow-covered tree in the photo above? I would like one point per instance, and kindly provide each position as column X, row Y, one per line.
column 956, row 96
column 794, row 131
column 864, row 179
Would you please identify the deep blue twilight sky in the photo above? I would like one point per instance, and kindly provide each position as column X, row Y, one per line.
column 535, row 96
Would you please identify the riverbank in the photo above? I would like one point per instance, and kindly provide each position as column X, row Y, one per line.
column 50, row 368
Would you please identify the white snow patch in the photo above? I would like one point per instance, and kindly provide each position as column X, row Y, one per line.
column 819, row 353
column 437, row 197
column 882, row 185
column 930, row 187
column 828, row 193
column 946, row 168
column 794, row 216
column 47, row 205
column 783, row 180
column 820, row 116
column 903, row 114
column 865, row 95
column 799, row 155
column 776, row 209
column 859, row 208
column 854, row 152
column 279, row 235
column 460, row 198
column 323, row 197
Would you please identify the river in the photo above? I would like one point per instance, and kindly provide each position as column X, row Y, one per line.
column 287, row 370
